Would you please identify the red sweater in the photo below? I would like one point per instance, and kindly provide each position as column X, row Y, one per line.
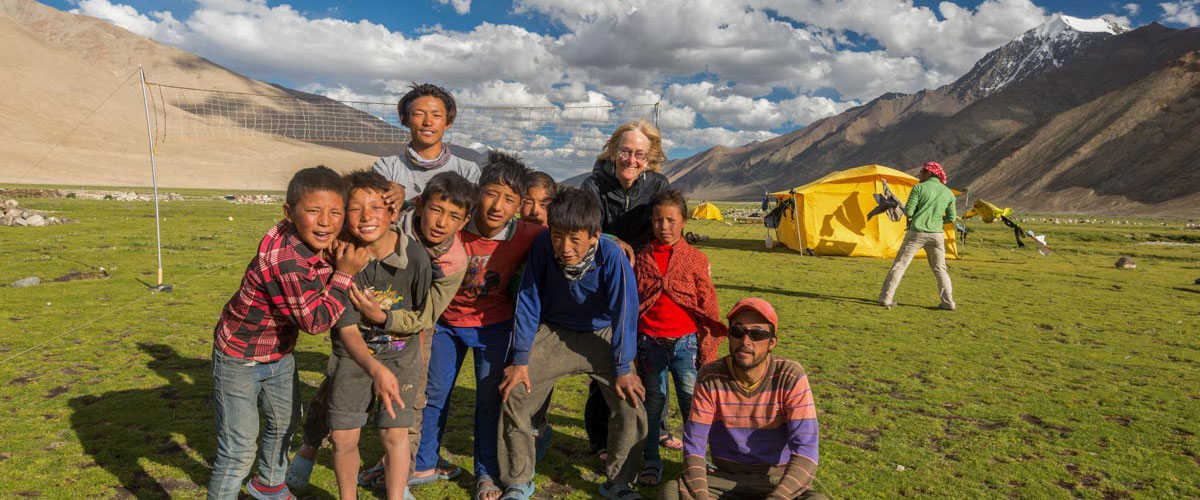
column 665, row 318
column 686, row 283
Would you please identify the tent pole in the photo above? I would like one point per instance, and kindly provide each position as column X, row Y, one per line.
column 796, row 218
column 154, row 178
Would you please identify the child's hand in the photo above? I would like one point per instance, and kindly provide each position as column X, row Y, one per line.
column 348, row 257
column 513, row 376
column 368, row 306
column 629, row 387
column 394, row 197
column 386, row 389
column 625, row 248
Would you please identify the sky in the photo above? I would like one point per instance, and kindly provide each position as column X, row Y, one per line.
column 724, row 72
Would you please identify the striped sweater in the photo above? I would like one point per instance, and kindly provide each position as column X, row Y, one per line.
column 772, row 429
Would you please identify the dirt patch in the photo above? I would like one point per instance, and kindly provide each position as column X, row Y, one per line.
column 57, row 391
column 1033, row 419
column 29, row 193
column 171, row 484
column 76, row 276
column 1181, row 432
column 27, row 494
column 22, row 380
column 1121, row 421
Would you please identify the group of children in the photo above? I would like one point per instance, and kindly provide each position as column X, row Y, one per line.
column 406, row 291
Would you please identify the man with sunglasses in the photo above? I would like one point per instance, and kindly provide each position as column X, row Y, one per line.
column 755, row 412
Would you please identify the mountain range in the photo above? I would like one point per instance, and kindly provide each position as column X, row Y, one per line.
column 1075, row 115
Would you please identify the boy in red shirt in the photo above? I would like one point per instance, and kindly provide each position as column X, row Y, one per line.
column 479, row 317
column 679, row 319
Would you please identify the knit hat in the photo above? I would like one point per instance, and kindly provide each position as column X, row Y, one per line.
column 758, row 305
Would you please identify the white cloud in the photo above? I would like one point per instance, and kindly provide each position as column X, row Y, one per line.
column 1185, row 12
column 614, row 51
column 164, row 27
column 1132, row 8
column 460, row 6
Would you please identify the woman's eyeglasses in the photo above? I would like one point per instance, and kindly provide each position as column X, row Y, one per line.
column 756, row 334
column 625, row 154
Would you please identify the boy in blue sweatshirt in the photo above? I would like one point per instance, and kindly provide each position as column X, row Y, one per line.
column 577, row 311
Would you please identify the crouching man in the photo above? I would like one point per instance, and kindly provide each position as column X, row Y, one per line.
column 755, row 411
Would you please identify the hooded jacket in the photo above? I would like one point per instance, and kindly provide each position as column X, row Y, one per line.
column 626, row 213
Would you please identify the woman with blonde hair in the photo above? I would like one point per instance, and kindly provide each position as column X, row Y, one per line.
column 625, row 179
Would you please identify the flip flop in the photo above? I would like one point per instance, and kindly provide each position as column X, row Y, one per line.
column 671, row 442
column 454, row 472
column 518, row 492
column 619, row 492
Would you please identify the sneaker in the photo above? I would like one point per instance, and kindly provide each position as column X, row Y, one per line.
column 261, row 492
column 298, row 474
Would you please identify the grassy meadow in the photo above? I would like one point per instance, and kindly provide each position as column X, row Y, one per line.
column 1058, row 377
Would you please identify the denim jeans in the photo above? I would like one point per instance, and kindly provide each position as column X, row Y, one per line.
column 490, row 344
column 241, row 388
column 654, row 362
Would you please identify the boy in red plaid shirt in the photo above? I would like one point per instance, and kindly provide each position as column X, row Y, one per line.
column 290, row 285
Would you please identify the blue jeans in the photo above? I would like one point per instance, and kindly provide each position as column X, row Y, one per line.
column 490, row 344
column 654, row 362
column 241, row 388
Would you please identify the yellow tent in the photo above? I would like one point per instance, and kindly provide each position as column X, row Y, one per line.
column 833, row 215
column 707, row 211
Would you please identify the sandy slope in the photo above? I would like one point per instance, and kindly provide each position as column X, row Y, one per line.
column 61, row 67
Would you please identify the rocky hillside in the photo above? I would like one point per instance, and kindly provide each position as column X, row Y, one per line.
column 1038, row 123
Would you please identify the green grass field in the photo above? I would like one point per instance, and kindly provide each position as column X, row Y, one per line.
column 1058, row 377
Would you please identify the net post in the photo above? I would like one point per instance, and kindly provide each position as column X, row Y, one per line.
column 154, row 178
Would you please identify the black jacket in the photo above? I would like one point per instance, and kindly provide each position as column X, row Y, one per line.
column 626, row 213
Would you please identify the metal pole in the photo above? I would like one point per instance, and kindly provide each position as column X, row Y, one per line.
column 154, row 176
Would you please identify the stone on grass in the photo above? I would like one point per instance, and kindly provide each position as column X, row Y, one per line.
column 35, row 220
column 30, row 281
column 1125, row 263
column 10, row 204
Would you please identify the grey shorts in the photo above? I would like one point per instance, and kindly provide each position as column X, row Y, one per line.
column 352, row 392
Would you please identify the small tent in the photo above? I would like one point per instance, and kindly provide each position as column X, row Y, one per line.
column 707, row 211
column 829, row 215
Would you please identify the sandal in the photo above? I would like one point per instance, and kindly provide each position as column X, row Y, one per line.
column 653, row 471
column 619, row 492
column 298, row 473
column 518, row 492
column 671, row 442
column 485, row 484
column 452, row 472
column 372, row 476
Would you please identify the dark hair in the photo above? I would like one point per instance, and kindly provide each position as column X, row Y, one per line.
column 318, row 178
column 504, row 169
column 672, row 197
column 574, row 209
column 419, row 90
column 453, row 187
column 542, row 180
column 366, row 179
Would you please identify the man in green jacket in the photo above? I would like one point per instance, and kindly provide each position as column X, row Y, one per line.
column 930, row 205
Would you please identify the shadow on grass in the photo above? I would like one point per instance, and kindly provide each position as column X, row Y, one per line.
column 800, row 293
column 134, row 433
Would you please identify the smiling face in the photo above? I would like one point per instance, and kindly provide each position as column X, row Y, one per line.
column 631, row 157
column 571, row 246
column 535, row 205
column 497, row 205
column 367, row 216
column 441, row 219
column 426, row 121
column 317, row 217
column 748, row 353
column 667, row 222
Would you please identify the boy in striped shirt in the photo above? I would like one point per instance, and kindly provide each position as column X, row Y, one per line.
column 755, row 411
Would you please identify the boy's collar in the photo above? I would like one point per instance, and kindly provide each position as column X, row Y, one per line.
column 505, row 234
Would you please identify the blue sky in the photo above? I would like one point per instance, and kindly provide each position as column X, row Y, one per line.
column 725, row 72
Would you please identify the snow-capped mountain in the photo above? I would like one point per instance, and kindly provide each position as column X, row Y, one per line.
column 1047, row 46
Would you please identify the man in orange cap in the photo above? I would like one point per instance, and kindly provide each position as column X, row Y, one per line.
column 755, row 412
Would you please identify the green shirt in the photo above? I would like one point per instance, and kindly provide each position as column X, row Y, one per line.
column 929, row 206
